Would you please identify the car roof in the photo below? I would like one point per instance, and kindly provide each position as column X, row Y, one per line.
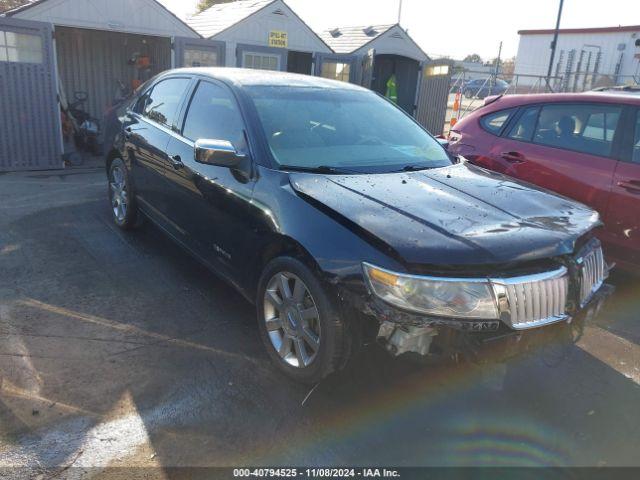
column 509, row 101
column 244, row 77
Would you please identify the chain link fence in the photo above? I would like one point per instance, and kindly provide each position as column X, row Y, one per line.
column 475, row 86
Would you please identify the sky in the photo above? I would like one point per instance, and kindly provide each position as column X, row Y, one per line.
column 457, row 28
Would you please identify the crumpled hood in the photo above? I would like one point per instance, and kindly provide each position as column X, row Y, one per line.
column 458, row 215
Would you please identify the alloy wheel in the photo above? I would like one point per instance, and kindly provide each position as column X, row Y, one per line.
column 119, row 198
column 292, row 319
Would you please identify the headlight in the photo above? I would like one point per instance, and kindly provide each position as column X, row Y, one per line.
column 443, row 297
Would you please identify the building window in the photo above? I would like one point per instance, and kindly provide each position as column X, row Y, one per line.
column 20, row 47
column 336, row 71
column 437, row 70
column 200, row 58
column 260, row 61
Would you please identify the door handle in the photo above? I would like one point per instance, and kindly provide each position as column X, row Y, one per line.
column 631, row 185
column 176, row 162
column 513, row 157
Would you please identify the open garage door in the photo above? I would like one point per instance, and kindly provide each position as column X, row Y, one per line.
column 336, row 67
column 30, row 133
column 198, row 52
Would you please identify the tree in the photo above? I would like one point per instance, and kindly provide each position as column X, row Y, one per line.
column 9, row 4
column 474, row 58
column 508, row 67
column 204, row 4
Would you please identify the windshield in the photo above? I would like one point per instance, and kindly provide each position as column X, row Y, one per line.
column 348, row 131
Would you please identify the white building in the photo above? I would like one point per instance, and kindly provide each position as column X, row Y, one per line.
column 585, row 57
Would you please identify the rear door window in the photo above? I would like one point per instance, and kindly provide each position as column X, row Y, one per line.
column 525, row 126
column 163, row 101
column 493, row 122
column 586, row 128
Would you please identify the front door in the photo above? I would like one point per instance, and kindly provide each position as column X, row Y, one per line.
column 30, row 131
column 567, row 148
column 211, row 204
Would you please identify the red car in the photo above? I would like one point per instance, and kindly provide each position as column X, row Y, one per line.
column 585, row 146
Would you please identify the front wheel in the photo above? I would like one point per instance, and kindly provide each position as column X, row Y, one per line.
column 302, row 332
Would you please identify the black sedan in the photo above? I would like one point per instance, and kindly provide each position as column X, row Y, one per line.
column 342, row 219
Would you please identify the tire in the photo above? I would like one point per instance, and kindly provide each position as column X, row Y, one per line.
column 299, row 326
column 124, row 210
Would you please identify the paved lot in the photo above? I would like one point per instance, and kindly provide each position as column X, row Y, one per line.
column 118, row 350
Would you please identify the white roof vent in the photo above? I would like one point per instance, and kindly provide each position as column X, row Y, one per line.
column 278, row 12
column 370, row 31
column 396, row 35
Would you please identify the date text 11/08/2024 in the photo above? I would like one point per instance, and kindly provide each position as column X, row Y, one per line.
column 316, row 473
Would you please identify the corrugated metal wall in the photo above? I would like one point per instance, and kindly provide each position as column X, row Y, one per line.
column 29, row 116
column 93, row 61
column 433, row 96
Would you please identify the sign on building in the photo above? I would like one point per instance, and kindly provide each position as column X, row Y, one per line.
column 278, row 39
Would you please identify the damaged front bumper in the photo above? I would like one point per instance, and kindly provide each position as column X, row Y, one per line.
column 403, row 332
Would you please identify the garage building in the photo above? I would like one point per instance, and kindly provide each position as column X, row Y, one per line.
column 52, row 48
column 99, row 47
column 262, row 34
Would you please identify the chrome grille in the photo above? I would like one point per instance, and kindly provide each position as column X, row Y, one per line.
column 593, row 274
column 533, row 300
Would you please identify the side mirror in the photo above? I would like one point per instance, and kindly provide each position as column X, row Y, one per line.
column 221, row 153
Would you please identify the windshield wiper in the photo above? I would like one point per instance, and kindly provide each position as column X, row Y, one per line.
column 318, row 169
column 413, row 168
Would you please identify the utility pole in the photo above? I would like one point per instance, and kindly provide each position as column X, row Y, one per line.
column 554, row 44
column 399, row 12
column 497, row 70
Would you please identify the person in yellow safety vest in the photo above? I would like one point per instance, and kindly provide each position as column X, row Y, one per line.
column 392, row 89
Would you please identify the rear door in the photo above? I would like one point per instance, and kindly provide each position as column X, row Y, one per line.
column 567, row 148
column 623, row 215
column 198, row 52
column 30, row 132
column 151, row 125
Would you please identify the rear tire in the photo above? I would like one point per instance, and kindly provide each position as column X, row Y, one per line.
column 122, row 196
column 300, row 328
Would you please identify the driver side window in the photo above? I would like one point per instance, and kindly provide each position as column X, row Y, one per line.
column 214, row 115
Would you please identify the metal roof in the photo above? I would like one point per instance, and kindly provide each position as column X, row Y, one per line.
column 350, row 39
column 618, row 29
column 221, row 16
column 36, row 3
